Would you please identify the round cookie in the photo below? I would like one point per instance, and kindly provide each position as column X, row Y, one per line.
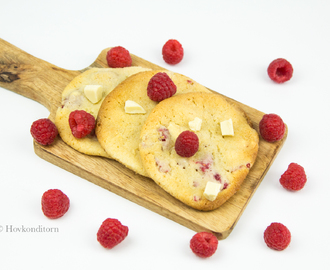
column 222, row 160
column 73, row 98
column 119, row 132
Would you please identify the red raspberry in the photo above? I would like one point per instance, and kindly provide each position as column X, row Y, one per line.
column 111, row 233
column 119, row 57
column 294, row 178
column 81, row 123
column 172, row 52
column 280, row 70
column 204, row 244
column 160, row 87
column 271, row 127
column 44, row 131
column 54, row 203
column 277, row 236
column 187, row 144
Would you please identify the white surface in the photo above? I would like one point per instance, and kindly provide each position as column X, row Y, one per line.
column 228, row 46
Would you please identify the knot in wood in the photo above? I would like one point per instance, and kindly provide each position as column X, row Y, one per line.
column 8, row 77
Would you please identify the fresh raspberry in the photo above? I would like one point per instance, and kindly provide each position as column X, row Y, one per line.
column 111, row 233
column 119, row 57
column 81, row 123
column 277, row 236
column 187, row 144
column 204, row 244
column 280, row 70
column 54, row 203
column 44, row 131
column 294, row 178
column 271, row 127
column 160, row 87
column 172, row 52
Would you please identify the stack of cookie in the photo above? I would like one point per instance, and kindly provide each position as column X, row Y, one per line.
column 141, row 133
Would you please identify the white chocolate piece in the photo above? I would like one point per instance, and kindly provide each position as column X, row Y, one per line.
column 175, row 130
column 211, row 190
column 196, row 124
column 227, row 128
column 132, row 107
column 93, row 93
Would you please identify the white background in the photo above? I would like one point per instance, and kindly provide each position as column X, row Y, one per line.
column 228, row 46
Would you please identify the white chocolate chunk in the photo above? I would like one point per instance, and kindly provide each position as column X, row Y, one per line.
column 133, row 108
column 211, row 190
column 174, row 130
column 196, row 124
column 227, row 128
column 94, row 93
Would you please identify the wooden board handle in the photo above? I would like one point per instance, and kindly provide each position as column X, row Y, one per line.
column 32, row 77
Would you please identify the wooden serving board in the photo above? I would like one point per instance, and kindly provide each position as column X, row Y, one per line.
column 43, row 82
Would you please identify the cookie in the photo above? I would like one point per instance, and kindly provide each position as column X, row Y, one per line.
column 73, row 98
column 118, row 131
column 225, row 155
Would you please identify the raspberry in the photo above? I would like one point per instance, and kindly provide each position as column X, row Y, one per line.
column 294, row 178
column 54, row 203
column 111, row 233
column 271, row 127
column 81, row 123
column 160, row 87
column 172, row 52
column 280, row 70
column 277, row 236
column 187, row 143
column 204, row 244
column 119, row 57
column 44, row 131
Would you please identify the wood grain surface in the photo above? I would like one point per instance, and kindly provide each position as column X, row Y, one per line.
column 43, row 82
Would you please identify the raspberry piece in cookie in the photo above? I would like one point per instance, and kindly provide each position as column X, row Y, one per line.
column 111, row 233
column 280, row 70
column 54, row 203
column 160, row 87
column 44, row 131
column 294, row 178
column 204, row 244
column 81, row 123
column 172, row 52
column 271, row 127
column 118, row 57
column 277, row 236
column 187, row 144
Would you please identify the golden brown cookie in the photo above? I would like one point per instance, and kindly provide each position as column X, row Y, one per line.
column 118, row 131
column 212, row 175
